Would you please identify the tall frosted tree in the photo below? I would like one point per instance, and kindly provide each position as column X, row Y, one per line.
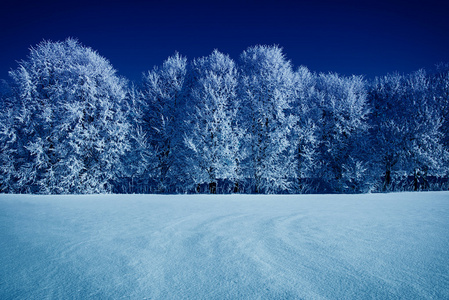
column 74, row 124
column 11, row 147
column 7, row 157
column 408, row 136
column 439, row 85
column 426, row 153
column 213, row 135
column 304, row 141
column 163, row 115
column 139, row 163
column 343, row 133
column 267, row 90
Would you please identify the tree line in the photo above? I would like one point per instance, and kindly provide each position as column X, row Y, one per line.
column 71, row 125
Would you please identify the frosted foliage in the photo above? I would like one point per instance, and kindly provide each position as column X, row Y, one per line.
column 163, row 105
column 342, row 103
column 213, row 135
column 69, row 124
column 408, row 121
column 304, row 140
column 71, row 112
column 439, row 86
column 267, row 83
column 10, row 146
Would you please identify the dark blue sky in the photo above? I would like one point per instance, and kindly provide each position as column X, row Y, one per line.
column 348, row 37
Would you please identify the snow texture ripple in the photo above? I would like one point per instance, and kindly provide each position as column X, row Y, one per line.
column 380, row 246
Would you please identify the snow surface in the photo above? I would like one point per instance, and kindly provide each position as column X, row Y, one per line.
column 225, row 246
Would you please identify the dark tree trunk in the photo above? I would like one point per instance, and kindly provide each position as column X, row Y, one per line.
column 415, row 180
column 236, row 187
column 387, row 182
column 213, row 188
column 425, row 183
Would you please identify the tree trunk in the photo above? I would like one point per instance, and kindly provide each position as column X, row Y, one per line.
column 425, row 184
column 387, row 181
column 236, row 187
column 213, row 188
column 415, row 180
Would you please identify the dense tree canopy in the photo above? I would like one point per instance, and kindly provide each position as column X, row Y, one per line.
column 69, row 124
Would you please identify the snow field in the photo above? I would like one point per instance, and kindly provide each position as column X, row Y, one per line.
column 380, row 246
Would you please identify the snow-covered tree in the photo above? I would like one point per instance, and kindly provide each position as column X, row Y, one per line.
column 139, row 163
column 439, row 85
column 267, row 90
column 342, row 133
column 426, row 153
column 408, row 121
column 162, row 122
column 73, row 119
column 69, row 124
column 213, row 135
column 11, row 149
column 304, row 141
column 7, row 157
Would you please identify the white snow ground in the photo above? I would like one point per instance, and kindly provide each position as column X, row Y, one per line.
column 382, row 246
